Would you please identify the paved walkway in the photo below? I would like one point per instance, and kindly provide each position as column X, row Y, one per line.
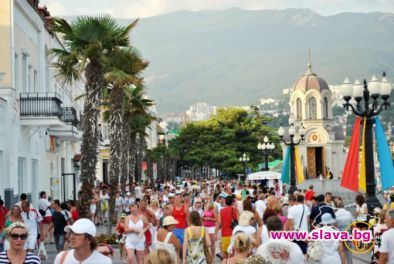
column 51, row 251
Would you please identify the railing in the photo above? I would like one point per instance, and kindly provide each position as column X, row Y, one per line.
column 40, row 105
column 69, row 116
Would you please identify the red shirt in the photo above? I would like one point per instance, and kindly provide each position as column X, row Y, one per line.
column 226, row 215
column 180, row 216
column 74, row 215
column 3, row 213
column 309, row 194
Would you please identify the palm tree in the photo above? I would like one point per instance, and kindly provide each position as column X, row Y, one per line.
column 125, row 67
column 136, row 119
column 88, row 43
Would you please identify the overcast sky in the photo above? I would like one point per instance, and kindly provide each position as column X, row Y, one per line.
column 146, row 8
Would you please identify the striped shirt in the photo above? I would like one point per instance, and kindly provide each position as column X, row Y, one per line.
column 30, row 258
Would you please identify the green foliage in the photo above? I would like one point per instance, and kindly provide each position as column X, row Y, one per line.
column 219, row 141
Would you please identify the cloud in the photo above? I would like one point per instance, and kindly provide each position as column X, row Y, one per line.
column 146, row 8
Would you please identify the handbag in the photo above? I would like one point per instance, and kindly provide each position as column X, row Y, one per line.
column 234, row 222
column 314, row 251
column 208, row 255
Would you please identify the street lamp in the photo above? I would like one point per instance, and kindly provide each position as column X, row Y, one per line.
column 368, row 109
column 244, row 159
column 267, row 148
column 294, row 141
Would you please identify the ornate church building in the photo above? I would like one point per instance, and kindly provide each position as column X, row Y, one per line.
column 322, row 150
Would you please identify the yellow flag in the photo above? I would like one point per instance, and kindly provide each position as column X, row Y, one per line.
column 299, row 170
column 362, row 181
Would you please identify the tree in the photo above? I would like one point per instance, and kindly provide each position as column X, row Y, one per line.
column 219, row 141
column 88, row 43
column 124, row 69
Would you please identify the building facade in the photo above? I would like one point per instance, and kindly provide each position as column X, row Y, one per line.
column 39, row 135
column 322, row 151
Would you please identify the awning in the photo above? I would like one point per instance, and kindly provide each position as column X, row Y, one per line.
column 263, row 175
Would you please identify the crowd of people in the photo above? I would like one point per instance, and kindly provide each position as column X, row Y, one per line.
column 196, row 222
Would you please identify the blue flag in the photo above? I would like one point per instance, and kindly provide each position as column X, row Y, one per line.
column 285, row 178
column 384, row 156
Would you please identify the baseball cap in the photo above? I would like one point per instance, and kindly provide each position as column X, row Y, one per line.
column 82, row 226
column 169, row 220
column 128, row 193
column 171, row 195
column 223, row 195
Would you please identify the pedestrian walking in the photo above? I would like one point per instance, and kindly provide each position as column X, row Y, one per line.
column 83, row 245
column 17, row 235
column 60, row 220
column 31, row 218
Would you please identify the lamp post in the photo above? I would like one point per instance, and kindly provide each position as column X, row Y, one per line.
column 368, row 106
column 244, row 159
column 294, row 141
column 267, row 148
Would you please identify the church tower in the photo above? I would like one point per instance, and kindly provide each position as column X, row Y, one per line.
column 311, row 107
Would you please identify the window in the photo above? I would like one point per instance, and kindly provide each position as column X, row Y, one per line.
column 34, row 177
column 21, row 174
column 325, row 108
column 16, row 72
column 312, row 108
column 24, row 73
column 35, row 81
column 299, row 109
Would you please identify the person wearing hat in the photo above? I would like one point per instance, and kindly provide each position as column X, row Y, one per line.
column 197, row 206
column 390, row 203
column 127, row 202
column 332, row 250
column 165, row 238
column 83, row 244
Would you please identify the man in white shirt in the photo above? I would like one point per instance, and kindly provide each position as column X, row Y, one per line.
column 83, row 244
column 387, row 242
column 31, row 218
column 127, row 203
column 343, row 219
column 297, row 219
column 260, row 205
column 279, row 250
column 44, row 209
column 119, row 203
column 138, row 192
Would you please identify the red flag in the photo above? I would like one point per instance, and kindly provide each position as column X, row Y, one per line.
column 351, row 170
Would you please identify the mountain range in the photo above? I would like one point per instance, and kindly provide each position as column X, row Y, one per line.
column 235, row 56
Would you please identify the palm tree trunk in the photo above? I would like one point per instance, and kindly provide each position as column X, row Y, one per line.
column 132, row 159
column 125, row 153
column 115, row 151
column 94, row 84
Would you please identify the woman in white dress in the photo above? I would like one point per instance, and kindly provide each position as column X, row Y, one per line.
column 158, row 212
column 136, row 226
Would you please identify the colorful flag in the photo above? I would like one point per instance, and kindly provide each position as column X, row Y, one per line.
column 362, row 181
column 285, row 178
column 299, row 170
column 350, row 172
column 384, row 156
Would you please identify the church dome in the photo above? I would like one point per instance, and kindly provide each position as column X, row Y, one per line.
column 310, row 81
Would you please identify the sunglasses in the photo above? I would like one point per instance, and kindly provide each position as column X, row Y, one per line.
column 22, row 237
column 106, row 253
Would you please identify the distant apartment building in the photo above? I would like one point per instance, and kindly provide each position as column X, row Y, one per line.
column 39, row 117
column 200, row 111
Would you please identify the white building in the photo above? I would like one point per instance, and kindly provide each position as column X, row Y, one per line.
column 39, row 139
column 200, row 111
column 311, row 106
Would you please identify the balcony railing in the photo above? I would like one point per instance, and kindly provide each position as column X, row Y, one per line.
column 69, row 116
column 40, row 105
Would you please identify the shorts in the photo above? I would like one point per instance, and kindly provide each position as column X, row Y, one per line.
column 31, row 242
column 211, row 230
column 225, row 243
column 93, row 208
column 140, row 246
column 47, row 220
column 180, row 234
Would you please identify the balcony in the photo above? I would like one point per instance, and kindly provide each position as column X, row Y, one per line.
column 41, row 110
column 70, row 130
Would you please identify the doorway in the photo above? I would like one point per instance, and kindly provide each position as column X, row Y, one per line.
column 315, row 161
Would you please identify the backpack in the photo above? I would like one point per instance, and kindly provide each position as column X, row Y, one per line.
column 314, row 250
column 170, row 248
